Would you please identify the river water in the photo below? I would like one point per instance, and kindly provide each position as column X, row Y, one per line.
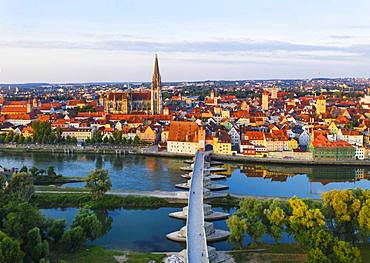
column 145, row 230
column 154, row 173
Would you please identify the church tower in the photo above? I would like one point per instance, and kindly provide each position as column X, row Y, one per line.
column 265, row 100
column 156, row 96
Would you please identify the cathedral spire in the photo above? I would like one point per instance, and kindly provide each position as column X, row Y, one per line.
column 156, row 75
column 156, row 96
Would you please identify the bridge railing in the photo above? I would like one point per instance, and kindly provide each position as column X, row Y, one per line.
column 196, row 241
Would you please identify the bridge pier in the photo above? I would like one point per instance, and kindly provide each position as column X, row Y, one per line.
column 197, row 231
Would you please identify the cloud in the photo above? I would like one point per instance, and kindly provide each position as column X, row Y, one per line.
column 242, row 47
column 341, row 37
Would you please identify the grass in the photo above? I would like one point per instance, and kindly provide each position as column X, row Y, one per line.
column 282, row 253
column 61, row 189
column 227, row 201
column 277, row 253
column 99, row 254
column 365, row 252
column 65, row 200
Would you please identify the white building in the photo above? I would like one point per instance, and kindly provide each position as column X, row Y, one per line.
column 360, row 153
column 304, row 139
column 234, row 136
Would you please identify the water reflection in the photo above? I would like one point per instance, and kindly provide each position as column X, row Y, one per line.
column 151, row 173
column 302, row 181
column 145, row 230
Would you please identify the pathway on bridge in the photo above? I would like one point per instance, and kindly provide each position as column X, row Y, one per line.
column 196, row 241
column 197, row 231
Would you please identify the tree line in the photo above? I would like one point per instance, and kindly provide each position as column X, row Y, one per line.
column 43, row 133
column 117, row 138
column 330, row 230
column 28, row 236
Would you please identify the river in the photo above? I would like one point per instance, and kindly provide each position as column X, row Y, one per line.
column 145, row 230
column 154, row 173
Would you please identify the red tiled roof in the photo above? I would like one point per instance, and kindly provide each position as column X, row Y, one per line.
column 183, row 131
column 18, row 117
column 72, row 103
column 48, row 106
column 322, row 141
column 254, row 135
column 17, row 109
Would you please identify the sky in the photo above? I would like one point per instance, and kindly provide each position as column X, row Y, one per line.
column 115, row 40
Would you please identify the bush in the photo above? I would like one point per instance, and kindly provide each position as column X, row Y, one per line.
column 73, row 239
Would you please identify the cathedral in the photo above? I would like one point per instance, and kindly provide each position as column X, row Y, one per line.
column 131, row 102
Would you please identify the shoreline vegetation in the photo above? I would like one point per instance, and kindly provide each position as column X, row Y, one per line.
column 58, row 197
column 310, row 222
column 253, row 252
column 147, row 151
column 256, row 253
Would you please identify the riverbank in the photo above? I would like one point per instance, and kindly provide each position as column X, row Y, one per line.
column 148, row 151
column 64, row 197
column 261, row 253
column 268, row 160
column 57, row 180
column 56, row 199
column 99, row 254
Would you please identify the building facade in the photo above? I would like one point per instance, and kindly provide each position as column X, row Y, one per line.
column 185, row 137
column 143, row 101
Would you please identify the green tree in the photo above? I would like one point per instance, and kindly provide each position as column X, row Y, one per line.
column 3, row 183
column 304, row 221
column 89, row 222
column 15, row 137
column 276, row 219
column 68, row 139
column 9, row 137
column 364, row 221
column 97, row 137
column 344, row 253
column 21, row 139
column 105, row 220
column 24, row 169
column 136, row 140
column 58, row 134
column 73, row 239
column 51, row 171
column 2, row 137
column 55, row 229
column 34, row 171
column 42, row 132
column 117, row 135
column 20, row 217
column 20, row 187
column 10, row 250
column 342, row 209
column 315, row 255
column 251, row 210
column 34, row 247
column 28, row 140
column 99, row 182
column 238, row 228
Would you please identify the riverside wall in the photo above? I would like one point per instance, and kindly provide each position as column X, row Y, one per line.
column 148, row 151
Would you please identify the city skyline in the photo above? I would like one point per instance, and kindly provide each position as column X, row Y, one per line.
column 90, row 42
